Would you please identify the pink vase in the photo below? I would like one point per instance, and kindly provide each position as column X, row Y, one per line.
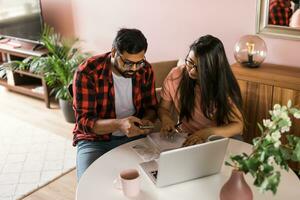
column 236, row 188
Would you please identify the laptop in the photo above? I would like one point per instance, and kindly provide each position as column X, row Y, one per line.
column 186, row 163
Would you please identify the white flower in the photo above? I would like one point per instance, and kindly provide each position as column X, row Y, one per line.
column 283, row 108
column 297, row 115
column 276, row 113
column 276, row 107
column 289, row 104
column 284, row 115
column 268, row 138
column 277, row 144
column 275, row 136
column 285, row 129
column 261, row 167
column 267, row 123
column 271, row 160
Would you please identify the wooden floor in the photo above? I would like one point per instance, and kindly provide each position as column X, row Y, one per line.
column 34, row 112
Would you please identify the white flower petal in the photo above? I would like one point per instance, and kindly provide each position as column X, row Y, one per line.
column 289, row 103
column 283, row 108
column 276, row 135
column 297, row 115
column 277, row 144
column 277, row 107
column 268, row 138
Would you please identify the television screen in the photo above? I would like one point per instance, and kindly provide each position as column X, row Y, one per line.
column 21, row 19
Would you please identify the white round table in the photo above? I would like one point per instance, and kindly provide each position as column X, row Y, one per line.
column 97, row 182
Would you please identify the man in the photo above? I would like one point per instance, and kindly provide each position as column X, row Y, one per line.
column 114, row 94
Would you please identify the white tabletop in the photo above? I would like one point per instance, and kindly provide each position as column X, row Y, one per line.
column 97, row 182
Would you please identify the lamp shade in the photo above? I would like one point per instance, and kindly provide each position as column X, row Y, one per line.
column 250, row 51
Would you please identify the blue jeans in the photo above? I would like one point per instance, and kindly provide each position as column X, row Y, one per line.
column 88, row 152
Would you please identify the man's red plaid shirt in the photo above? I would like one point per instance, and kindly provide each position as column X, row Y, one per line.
column 93, row 94
column 280, row 12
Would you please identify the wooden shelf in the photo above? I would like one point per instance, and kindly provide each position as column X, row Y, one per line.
column 26, row 89
column 3, row 82
column 24, row 51
column 27, row 73
column 23, row 81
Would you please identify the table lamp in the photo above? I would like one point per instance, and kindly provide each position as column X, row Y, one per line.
column 250, row 51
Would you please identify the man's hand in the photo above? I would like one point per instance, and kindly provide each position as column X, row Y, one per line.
column 128, row 127
column 146, row 122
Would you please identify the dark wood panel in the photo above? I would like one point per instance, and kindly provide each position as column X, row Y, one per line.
column 257, row 101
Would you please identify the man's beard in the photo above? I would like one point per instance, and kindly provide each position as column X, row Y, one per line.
column 126, row 73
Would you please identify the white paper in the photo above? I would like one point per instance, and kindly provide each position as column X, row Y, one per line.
column 146, row 151
column 164, row 144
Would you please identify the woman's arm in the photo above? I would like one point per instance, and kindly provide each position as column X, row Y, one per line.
column 164, row 114
column 234, row 127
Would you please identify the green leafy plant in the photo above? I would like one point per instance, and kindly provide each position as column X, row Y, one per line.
column 16, row 65
column 59, row 65
column 269, row 154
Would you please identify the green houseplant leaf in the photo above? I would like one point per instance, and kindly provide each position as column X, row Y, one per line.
column 60, row 64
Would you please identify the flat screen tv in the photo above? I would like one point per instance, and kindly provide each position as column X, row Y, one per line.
column 21, row 19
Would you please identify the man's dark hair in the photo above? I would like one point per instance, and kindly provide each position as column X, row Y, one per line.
column 130, row 40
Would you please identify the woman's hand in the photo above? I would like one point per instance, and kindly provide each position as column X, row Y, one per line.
column 167, row 128
column 199, row 137
column 195, row 138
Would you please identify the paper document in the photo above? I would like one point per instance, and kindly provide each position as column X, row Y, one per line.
column 146, row 151
column 164, row 144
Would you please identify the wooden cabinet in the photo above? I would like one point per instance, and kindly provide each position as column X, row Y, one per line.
column 262, row 88
column 24, row 82
column 257, row 101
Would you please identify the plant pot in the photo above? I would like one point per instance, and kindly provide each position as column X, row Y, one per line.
column 67, row 109
column 236, row 188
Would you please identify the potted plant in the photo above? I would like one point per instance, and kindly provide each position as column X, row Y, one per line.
column 58, row 67
column 267, row 156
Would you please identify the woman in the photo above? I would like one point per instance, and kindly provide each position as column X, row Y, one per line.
column 205, row 94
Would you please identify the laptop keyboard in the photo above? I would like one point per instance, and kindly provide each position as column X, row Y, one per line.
column 154, row 174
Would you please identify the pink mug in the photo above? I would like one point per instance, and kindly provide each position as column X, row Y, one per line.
column 129, row 182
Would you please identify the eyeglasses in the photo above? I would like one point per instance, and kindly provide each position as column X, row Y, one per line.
column 129, row 64
column 190, row 64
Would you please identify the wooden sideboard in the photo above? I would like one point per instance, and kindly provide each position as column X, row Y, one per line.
column 24, row 82
column 262, row 88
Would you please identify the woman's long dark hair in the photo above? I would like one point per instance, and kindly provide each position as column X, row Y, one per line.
column 218, row 85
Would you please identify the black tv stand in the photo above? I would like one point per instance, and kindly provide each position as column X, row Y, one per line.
column 38, row 47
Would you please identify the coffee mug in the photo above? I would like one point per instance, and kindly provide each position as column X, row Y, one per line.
column 129, row 182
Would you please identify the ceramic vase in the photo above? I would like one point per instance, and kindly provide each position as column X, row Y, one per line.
column 236, row 188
